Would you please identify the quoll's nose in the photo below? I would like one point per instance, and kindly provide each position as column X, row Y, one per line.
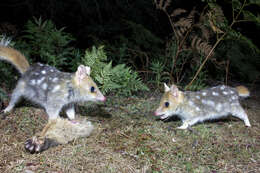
column 103, row 99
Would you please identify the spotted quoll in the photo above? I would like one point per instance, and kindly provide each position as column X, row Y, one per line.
column 53, row 90
column 207, row 104
column 49, row 87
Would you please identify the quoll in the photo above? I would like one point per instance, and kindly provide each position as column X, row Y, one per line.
column 193, row 107
column 49, row 87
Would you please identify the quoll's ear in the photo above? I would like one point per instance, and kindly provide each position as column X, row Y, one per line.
column 166, row 88
column 88, row 70
column 174, row 90
column 81, row 72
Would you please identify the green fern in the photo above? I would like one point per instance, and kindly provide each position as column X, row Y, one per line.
column 43, row 42
column 118, row 79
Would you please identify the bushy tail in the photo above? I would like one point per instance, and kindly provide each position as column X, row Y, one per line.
column 13, row 56
column 243, row 91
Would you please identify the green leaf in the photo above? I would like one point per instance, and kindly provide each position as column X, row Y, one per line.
column 257, row 2
column 250, row 16
column 236, row 5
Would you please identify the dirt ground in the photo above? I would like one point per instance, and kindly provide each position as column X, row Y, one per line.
column 129, row 139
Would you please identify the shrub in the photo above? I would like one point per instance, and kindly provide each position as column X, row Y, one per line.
column 118, row 79
column 43, row 42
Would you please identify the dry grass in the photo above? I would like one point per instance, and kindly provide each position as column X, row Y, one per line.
column 128, row 138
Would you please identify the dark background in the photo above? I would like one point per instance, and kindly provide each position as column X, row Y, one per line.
column 106, row 20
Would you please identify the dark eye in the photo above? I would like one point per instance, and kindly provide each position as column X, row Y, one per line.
column 92, row 89
column 166, row 104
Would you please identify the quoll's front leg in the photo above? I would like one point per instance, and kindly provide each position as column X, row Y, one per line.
column 240, row 113
column 58, row 131
column 185, row 125
column 39, row 142
column 188, row 123
column 70, row 112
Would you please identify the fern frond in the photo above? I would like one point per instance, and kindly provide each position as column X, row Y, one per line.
column 216, row 18
column 200, row 45
column 119, row 79
column 162, row 4
column 206, row 34
column 166, row 4
column 177, row 12
column 183, row 25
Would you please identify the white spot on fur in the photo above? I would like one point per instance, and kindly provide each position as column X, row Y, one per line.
column 33, row 82
column 197, row 109
column 55, row 79
column 52, row 70
column 225, row 92
column 197, row 96
column 36, row 74
column 204, row 93
column 43, row 72
column 222, row 87
column 234, row 97
column 44, row 86
column 231, row 92
column 40, row 80
column 215, row 93
column 219, row 107
column 203, row 101
column 56, row 88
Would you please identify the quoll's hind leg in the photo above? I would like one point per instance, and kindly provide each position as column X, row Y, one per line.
column 16, row 95
column 240, row 113
column 39, row 143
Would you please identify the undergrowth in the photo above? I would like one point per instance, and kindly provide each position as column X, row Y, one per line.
column 118, row 79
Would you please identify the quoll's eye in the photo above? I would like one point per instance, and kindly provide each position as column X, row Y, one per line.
column 166, row 104
column 92, row 89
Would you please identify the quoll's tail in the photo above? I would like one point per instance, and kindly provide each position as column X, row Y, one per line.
column 13, row 56
column 243, row 91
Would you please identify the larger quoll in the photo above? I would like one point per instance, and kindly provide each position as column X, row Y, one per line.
column 53, row 90
column 49, row 87
column 207, row 104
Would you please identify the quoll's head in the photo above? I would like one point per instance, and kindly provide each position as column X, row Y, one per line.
column 87, row 87
column 170, row 101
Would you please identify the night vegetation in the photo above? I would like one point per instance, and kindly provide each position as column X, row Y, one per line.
column 190, row 41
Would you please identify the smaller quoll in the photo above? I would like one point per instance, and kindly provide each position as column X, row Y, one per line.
column 208, row 104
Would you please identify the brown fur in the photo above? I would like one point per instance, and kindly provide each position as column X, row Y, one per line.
column 56, row 132
column 14, row 57
column 242, row 91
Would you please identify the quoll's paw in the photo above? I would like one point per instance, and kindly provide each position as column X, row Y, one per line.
column 3, row 114
column 38, row 144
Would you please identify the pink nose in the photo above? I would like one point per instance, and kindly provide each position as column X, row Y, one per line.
column 103, row 99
